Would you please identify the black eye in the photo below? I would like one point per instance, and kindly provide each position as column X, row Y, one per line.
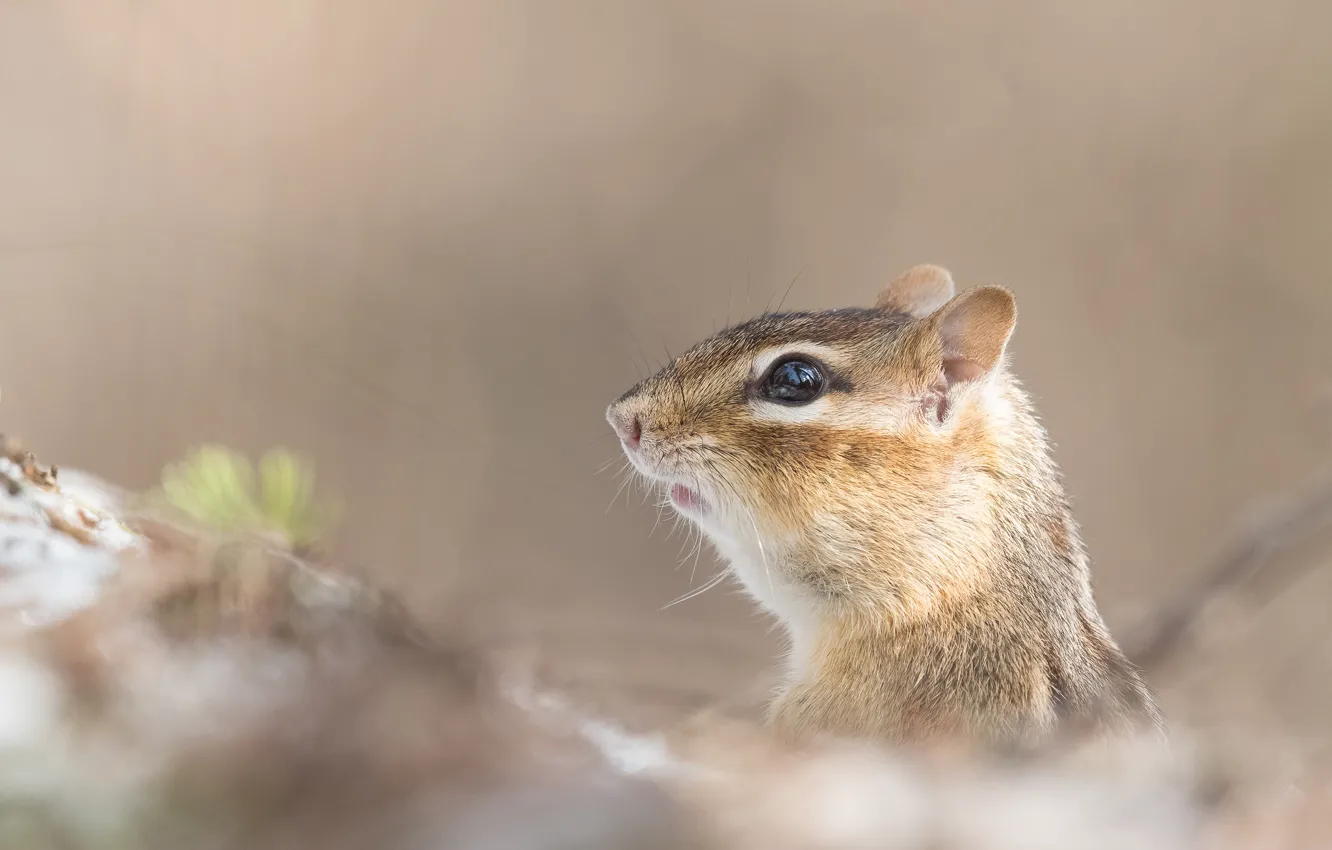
column 794, row 382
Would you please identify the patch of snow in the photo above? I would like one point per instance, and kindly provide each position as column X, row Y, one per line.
column 625, row 751
column 46, row 574
column 856, row 799
column 91, row 491
column 33, row 697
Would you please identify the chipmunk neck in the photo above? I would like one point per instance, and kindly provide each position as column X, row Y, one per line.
column 983, row 618
column 997, row 533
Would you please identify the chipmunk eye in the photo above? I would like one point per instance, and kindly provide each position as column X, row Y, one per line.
column 794, row 382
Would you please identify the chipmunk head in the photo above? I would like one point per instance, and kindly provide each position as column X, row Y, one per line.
column 833, row 455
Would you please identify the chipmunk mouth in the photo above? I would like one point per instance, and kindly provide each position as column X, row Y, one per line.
column 664, row 469
column 686, row 499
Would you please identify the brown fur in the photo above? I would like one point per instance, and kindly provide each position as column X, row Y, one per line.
column 909, row 528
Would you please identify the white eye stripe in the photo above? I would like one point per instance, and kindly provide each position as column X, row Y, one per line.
column 836, row 412
column 810, row 349
column 771, row 411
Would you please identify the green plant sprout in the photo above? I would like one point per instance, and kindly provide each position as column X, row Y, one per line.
column 220, row 489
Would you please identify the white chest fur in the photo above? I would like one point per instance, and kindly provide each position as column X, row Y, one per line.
column 760, row 573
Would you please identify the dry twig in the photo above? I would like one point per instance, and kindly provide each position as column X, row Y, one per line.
column 1275, row 530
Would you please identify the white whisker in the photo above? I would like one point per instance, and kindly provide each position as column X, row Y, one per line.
column 657, row 521
column 675, row 526
column 711, row 583
column 639, row 481
column 763, row 555
column 608, row 464
column 698, row 552
column 623, row 484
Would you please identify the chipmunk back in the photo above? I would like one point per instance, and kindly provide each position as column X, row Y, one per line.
column 877, row 480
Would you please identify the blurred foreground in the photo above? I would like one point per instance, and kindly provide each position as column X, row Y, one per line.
column 219, row 692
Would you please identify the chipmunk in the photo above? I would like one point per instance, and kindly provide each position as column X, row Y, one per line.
column 877, row 480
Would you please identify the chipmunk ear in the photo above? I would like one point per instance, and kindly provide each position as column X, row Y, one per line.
column 974, row 329
column 918, row 292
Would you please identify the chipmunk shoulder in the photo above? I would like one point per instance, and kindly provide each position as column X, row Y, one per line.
column 877, row 480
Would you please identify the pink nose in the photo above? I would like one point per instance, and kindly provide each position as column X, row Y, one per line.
column 628, row 426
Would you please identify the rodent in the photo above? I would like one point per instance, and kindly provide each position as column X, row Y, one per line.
column 877, row 479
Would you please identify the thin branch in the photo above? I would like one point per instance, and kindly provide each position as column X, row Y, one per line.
column 1274, row 530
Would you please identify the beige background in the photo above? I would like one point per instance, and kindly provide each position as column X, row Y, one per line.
column 427, row 242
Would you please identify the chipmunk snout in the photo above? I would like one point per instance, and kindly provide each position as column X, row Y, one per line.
column 628, row 425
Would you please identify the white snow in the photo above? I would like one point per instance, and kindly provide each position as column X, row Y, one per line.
column 45, row 573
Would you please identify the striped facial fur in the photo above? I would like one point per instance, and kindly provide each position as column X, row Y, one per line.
column 823, row 452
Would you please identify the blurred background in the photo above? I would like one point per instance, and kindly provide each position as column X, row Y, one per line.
column 427, row 242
